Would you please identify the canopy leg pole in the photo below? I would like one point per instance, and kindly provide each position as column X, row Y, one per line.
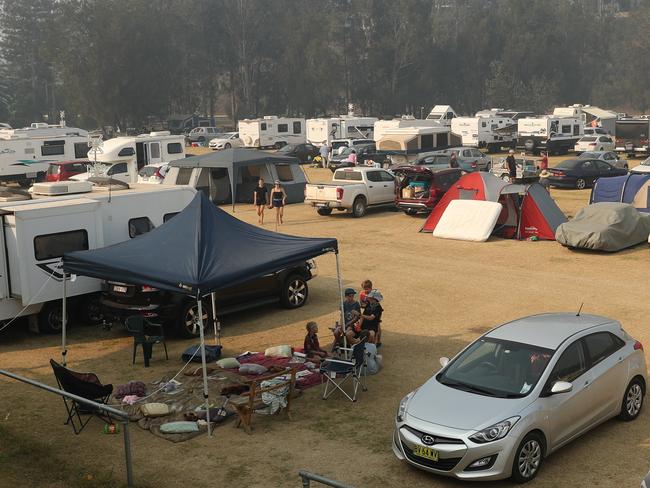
column 64, row 324
column 205, row 367
column 215, row 323
column 338, row 276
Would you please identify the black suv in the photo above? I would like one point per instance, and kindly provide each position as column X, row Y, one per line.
column 180, row 312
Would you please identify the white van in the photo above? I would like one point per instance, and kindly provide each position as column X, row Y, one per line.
column 272, row 131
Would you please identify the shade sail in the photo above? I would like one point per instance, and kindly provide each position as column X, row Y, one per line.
column 202, row 249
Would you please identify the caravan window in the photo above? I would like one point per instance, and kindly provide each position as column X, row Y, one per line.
column 53, row 148
column 127, row 151
column 566, row 129
column 426, row 141
column 263, row 126
column 139, row 226
column 184, row 175
column 297, row 127
column 284, row 172
column 174, row 148
column 283, row 127
column 576, row 129
column 52, row 246
column 80, row 150
column 155, row 150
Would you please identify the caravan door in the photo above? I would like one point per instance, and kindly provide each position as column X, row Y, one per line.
column 154, row 153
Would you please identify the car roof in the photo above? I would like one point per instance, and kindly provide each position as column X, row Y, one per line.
column 548, row 330
column 74, row 161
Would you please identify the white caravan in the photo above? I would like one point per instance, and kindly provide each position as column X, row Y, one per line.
column 557, row 133
column 443, row 114
column 383, row 126
column 272, row 131
column 122, row 157
column 487, row 129
column 320, row 131
column 26, row 154
column 37, row 232
column 404, row 144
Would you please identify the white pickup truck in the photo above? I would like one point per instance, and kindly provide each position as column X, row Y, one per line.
column 353, row 189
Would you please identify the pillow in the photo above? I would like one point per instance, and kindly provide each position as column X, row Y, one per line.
column 180, row 427
column 154, row 409
column 278, row 352
column 252, row 368
column 228, row 363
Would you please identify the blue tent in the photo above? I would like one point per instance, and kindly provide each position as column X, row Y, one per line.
column 631, row 188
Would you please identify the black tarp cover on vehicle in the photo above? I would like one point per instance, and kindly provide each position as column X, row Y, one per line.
column 200, row 250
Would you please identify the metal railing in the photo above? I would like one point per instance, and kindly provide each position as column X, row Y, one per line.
column 110, row 410
column 308, row 477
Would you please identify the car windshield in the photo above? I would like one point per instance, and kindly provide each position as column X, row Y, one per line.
column 148, row 171
column 568, row 164
column 497, row 368
column 287, row 148
column 588, row 139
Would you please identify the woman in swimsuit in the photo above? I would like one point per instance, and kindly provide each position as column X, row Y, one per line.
column 259, row 200
column 278, row 199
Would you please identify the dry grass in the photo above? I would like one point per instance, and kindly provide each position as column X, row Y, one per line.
column 439, row 295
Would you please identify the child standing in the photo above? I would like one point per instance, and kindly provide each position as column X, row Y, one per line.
column 312, row 348
column 366, row 287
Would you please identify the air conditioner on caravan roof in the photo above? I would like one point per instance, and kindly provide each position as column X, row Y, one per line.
column 62, row 188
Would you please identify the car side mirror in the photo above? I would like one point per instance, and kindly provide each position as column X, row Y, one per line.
column 561, row 387
column 444, row 361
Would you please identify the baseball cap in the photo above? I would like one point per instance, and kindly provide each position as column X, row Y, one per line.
column 350, row 291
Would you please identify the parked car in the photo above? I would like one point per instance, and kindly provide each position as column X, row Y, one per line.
column 519, row 393
column 643, row 167
column 594, row 143
column 225, row 141
column 581, row 173
column 64, row 170
column 610, row 157
column 469, row 158
column 353, row 189
column 202, row 134
column 117, row 171
column 420, row 188
column 180, row 312
column 339, row 143
column 305, row 152
column 590, row 131
column 153, row 173
column 365, row 152
column 526, row 169
column 432, row 161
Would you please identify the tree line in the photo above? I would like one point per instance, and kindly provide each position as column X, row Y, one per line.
column 126, row 62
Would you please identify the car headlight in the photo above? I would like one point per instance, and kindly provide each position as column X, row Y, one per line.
column 401, row 411
column 495, row 432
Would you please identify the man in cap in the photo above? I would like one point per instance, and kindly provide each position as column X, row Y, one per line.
column 371, row 317
column 512, row 166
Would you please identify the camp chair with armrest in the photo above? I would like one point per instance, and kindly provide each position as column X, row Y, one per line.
column 337, row 372
column 85, row 385
column 145, row 333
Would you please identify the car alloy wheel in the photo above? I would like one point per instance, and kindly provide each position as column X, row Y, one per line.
column 295, row 292
column 529, row 458
column 634, row 400
column 191, row 322
column 227, row 145
column 581, row 184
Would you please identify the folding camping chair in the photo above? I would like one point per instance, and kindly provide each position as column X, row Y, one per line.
column 338, row 371
column 147, row 334
column 85, row 385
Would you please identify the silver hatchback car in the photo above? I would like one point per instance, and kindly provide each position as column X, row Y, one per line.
column 518, row 393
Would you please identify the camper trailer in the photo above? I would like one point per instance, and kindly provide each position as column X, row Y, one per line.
column 404, row 144
column 26, row 154
column 443, row 114
column 556, row 133
column 320, row 131
column 383, row 126
column 487, row 129
column 131, row 154
column 272, row 131
column 632, row 135
column 63, row 217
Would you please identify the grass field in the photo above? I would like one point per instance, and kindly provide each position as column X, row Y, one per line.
column 439, row 295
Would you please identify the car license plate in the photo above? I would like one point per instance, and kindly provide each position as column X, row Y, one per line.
column 425, row 452
column 120, row 289
column 31, row 175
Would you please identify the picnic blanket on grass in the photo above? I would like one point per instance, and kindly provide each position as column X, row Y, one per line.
column 304, row 377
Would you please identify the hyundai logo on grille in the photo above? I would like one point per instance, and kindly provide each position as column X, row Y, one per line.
column 428, row 440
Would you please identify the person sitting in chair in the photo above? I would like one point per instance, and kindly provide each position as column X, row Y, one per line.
column 371, row 316
column 312, row 348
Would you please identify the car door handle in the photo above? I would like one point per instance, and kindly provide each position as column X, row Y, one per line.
column 385, row 186
column 370, row 186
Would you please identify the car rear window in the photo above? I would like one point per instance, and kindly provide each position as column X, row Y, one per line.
column 588, row 139
column 601, row 345
column 342, row 174
column 148, row 171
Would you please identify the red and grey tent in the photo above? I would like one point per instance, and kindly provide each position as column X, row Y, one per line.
column 528, row 210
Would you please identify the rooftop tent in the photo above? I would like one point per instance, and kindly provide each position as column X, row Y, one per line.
column 528, row 210
column 202, row 249
column 230, row 175
column 631, row 188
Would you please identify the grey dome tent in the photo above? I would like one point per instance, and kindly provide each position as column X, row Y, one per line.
column 229, row 176
column 204, row 249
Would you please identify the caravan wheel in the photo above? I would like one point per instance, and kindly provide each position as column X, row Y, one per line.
column 50, row 318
